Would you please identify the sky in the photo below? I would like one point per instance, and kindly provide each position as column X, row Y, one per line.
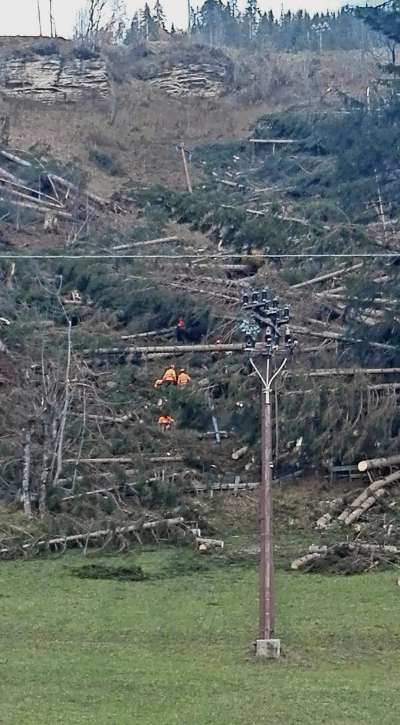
column 19, row 17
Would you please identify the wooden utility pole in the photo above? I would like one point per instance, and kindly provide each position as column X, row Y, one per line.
column 267, row 603
column 263, row 337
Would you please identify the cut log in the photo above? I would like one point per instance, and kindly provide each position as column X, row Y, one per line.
column 324, row 521
column 205, row 544
column 330, row 275
column 355, row 515
column 277, row 141
column 72, row 187
column 131, row 245
column 370, row 464
column 37, row 207
column 123, row 460
column 319, row 552
column 170, row 349
column 303, row 560
column 367, row 498
column 330, row 335
column 16, row 159
column 65, row 541
column 240, row 453
column 20, row 187
column 107, row 418
column 152, row 333
column 336, row 372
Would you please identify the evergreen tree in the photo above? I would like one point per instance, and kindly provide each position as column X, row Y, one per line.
column 210, row 19
column 148, row 24
column 384, row 19
column 159, row 15
column 251, row 16
column 134, row 35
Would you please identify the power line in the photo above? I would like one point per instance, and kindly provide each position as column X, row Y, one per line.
column 180, row 257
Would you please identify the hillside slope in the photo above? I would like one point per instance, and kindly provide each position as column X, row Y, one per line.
column 81, row 394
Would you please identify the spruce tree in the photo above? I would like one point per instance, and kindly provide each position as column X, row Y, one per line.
column 384, row 19
column 251, row 18
column 148, row 24
column 159, row 15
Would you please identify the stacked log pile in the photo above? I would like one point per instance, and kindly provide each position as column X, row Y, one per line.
column 381, row 531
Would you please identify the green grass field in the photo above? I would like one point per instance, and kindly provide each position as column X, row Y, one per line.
column 176, row 651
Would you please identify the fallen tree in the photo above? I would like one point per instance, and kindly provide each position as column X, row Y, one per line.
column 346, row 557
column 372, row 463
column 170, row 349
column 63, row 542
column 367, row 498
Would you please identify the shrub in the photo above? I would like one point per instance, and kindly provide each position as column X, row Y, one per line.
column 85, row 51
column 48, row 47
column 105, row 162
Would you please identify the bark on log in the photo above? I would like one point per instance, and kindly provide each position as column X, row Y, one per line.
column 303, row 560
column 37, row 207
column 330, row 275
column 201, row 541
column 324, row 521
column 72, row 187
column 19, row 186
column 171, row 349
column 367, row 498
column 333, row 372
column 131, row 245
column 371, row 463
column 107, row 418
column 152, row 333
column 17, row 159
column 319, row 552
column 123, row 460
column 26, row 478
column 4, row 174
column 329, row 335
column 91, row 535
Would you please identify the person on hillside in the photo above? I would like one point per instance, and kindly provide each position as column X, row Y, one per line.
column 183, row 378
column 165, row 422
column 181, row 331
column 170, row 376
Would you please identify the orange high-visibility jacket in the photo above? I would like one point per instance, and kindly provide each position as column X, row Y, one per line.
column 165, row 420
column 183, row 379
column 169, row 376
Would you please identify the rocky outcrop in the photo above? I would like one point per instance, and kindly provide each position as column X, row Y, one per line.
column 203, row 79
column 52, row 78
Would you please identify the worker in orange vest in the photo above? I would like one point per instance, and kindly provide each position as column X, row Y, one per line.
column 183, row 378
column 165, row 422
column 170, row 376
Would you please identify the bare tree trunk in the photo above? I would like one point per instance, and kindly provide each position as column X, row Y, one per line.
column 26, row 493
column 45, row 471
column 64, row 412
column 39, row 18
column 51, row 17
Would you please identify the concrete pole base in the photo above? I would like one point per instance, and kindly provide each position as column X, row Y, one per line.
column 268, row 648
